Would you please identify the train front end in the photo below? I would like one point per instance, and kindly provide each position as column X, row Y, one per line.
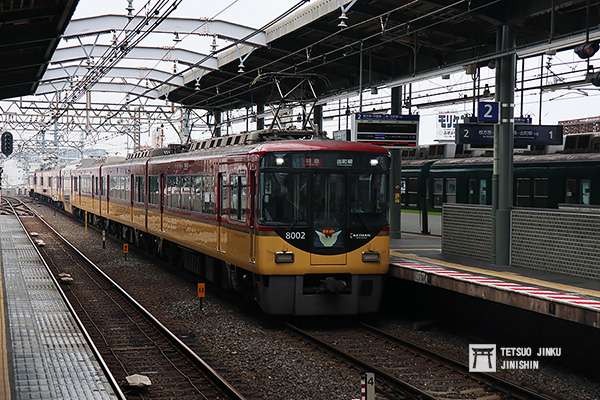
column 322, row 230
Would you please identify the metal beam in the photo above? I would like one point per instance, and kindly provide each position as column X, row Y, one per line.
column 183, row 26
column 116, row 87
column 182, row 56
column 63, row 73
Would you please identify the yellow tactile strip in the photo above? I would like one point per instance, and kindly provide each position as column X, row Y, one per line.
column 4, row 375
column 502, row 274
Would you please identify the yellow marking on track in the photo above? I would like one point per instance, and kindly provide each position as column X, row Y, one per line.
column 502, row 274
column 4, row 379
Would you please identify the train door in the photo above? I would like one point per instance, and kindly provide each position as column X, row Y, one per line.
column 223, row 196
column 251, row 208
column 162, row 199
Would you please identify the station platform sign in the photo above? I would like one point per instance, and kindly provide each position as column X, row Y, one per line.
column 524, row 134
column 388, row 130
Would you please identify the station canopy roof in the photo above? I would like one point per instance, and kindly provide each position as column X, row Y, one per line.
column 401, row 40
column 29, row 33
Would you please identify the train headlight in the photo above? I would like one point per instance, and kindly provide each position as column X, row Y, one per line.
column 279, row 161
column 370, row 257
column 284, row 257
column 374, row 162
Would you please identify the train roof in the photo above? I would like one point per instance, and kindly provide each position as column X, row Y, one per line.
column 521, row 159
column 258, row 149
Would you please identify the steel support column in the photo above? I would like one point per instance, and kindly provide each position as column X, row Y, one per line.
column 503, row 147
column 396, row 173
column 318, row 117
column 217, row 122
column 260, row 118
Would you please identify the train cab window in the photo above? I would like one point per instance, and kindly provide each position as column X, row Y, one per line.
column 585, row 190
column 139, row 189
column 185, row 185
column 284, row 197
column 450, row 190
column 153, row 190
column 368, row 200
column 438, row 192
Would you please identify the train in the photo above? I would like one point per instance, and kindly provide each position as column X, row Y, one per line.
column 297, row 222
column 571, row 175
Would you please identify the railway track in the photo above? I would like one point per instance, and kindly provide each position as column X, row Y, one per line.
column 128, row 337
column 409, row 370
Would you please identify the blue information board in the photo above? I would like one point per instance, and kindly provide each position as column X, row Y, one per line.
column 488, row 112
column 539, row 135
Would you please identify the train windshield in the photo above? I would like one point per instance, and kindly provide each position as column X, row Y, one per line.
column 323, row 192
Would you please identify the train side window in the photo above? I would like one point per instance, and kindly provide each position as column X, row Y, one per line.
column 540, row 192
column 473, row 191
column 585, row 190
column 412, row 189
column 524, row 192
column 572, row 192
column 75, row 182
column 172, row 191
column 153, row 190
column 139, row 189
column 197, row 186
column 234, row 210
column 483, row 192
column 185, row 185
column 224, row 195
column 438, row 192
column 209, row 194
column 450, row 190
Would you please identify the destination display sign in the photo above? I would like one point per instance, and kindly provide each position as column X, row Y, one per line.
column 483, row 135
column 388, row 130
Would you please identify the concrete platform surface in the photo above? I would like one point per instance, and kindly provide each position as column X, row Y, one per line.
column 47, row 353
column 418, row 258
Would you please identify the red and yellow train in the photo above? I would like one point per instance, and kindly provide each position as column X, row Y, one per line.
column 301, row 225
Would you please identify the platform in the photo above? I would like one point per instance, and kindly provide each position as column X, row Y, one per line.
column 418, row 258
column 44, row 352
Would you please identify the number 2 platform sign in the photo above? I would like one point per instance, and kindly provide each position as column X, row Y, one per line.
column 488, row 112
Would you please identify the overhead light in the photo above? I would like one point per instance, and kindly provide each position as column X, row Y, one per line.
column 343, row 18
column 492, row 64
column 374, row 90
column 586, row 50
column 550, row 52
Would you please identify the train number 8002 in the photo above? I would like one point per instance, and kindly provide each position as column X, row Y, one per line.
column 295, row 235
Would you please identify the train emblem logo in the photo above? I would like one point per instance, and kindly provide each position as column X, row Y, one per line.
column 482, row 358
column 328, row 237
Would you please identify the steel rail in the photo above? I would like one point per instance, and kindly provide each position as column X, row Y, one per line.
column 111, row 379
column 394, row 381
column 227, row 388
column 514, row 390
